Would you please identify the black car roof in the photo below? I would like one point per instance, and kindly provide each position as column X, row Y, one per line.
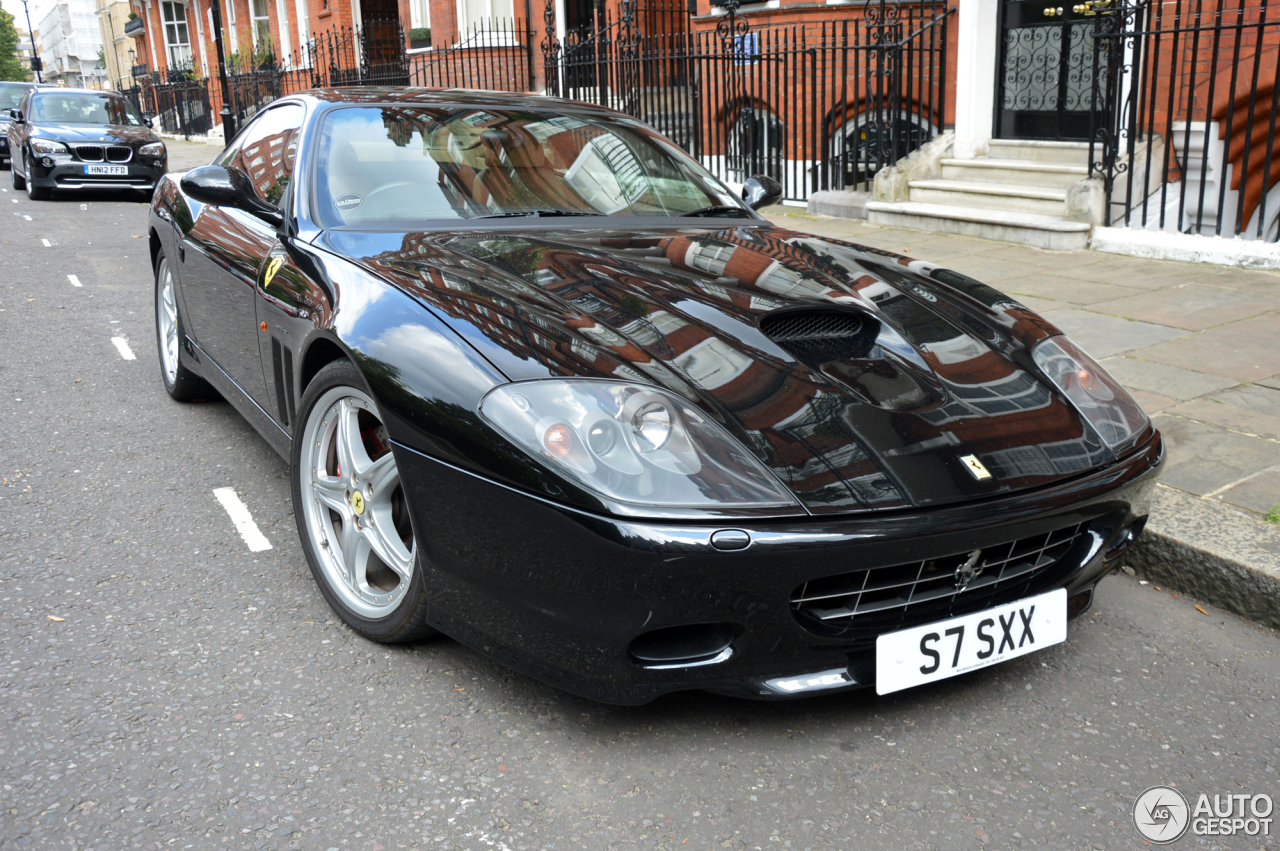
column 356, row 95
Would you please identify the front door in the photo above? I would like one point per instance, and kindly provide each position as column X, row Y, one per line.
column 1047, row 69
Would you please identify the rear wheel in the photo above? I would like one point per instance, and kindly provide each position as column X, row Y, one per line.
column 351, row 510
column 180, row 382
column 35, row 193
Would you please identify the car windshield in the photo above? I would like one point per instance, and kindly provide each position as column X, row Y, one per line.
column 11, row 96
column 83, row 108
column 384, row 164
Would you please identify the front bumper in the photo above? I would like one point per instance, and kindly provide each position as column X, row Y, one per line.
column 71, row 174
column 561, row 594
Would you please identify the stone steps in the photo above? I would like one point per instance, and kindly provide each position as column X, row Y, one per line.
column 1010, row 197
column 1060, row 153
column 1019, row 171
column 1051, row 232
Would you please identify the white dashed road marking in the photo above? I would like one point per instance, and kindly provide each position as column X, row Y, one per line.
column 28, row 218
column 75, row 282
column 240, row 516
column 122, row 346
column 47, row 243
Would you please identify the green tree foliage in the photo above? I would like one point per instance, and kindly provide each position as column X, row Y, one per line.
column 10, row 65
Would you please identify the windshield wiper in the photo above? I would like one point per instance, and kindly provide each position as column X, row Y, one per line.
column 536, row 213
column 717, row 210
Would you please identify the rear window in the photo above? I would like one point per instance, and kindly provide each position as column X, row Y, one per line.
column 11, row 96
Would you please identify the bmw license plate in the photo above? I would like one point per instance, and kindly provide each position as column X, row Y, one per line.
column 922, row 654
column 110, row 170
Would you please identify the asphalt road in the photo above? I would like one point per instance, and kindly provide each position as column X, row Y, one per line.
column 162, row 686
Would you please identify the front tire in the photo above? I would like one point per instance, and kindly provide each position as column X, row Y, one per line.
column 179, row 382
column 351, row 511
column 35, row 193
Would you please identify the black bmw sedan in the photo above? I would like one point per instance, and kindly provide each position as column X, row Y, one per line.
column 82, row 139
column 549, row 387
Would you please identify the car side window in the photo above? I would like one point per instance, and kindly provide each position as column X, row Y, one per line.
column 267, row 151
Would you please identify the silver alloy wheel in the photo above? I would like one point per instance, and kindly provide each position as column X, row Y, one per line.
column 168, row 321
column 356, row 518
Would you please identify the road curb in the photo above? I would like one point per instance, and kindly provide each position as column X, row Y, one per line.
column 1212, row 552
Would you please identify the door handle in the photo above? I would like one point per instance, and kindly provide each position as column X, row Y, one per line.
column 1052, row 12
column 182, row 253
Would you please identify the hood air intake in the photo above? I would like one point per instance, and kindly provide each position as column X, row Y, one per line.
column 819, row 336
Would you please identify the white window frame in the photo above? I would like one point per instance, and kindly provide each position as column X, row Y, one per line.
column 484, row 10
column 255, row 19
column 183, row 49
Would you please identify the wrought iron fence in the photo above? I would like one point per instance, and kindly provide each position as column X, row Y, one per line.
column 1187, row 143
column 822, row 105
column 817, row 106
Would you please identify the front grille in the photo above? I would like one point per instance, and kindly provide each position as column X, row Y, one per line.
column 119, row 153
column 865, row 603
column 818, row 336
column 90, row 153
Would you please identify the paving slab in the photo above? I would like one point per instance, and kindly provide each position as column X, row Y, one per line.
column 1056, row 287
column 1194, row 306
column 1171, row 381
column 1146, row 274
column 1212, row 551
column 1272, row 382
column 1259, row 398
column 1246, row 350
column 1204, row 458
column 1213, row 410
column 1260, row 493
column 1247, row 279
column 1152, row 403
column 1103, row 336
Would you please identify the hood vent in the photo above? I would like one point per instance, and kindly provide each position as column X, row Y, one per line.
column 820, row 336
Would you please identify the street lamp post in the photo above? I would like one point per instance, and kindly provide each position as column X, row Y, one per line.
column 228, row 117
column 36, row 64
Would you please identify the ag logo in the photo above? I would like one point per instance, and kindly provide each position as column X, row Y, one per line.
column 1161, row 814
column 976, row 467
column 272, row 268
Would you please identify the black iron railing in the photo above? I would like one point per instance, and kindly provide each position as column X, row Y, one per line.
column 816, row 106
column 1187, row 144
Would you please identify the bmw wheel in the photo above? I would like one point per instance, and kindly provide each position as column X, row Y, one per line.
column 35, row 193
column 351, row 510
column 180, row 382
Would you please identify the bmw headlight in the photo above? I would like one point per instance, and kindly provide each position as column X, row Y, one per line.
column 152, row 149
column 1113, row 413
column 48, row 146
column 632, row 443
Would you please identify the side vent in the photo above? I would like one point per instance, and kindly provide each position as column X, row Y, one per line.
column 282, row 367
column 819, row 336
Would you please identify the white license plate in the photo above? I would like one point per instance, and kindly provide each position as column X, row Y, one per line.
column 922, row 654
column 112, row 170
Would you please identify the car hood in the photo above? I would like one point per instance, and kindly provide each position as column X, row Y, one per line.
column 105, row 134
column 938, row 371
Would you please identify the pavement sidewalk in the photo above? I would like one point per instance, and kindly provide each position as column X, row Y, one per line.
column 1199, row 347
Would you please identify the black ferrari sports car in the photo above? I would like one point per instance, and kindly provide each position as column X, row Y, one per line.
column 549, row 387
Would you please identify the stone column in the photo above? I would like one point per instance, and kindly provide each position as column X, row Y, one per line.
column 977, row 54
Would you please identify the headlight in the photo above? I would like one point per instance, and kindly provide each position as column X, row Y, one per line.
column 1108, row 407
column 153, row 149
column 632, row 443
column 46, row 146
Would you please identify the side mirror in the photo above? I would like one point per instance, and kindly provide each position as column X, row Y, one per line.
column 228, row 187
column 16, row 115
column 760, row 190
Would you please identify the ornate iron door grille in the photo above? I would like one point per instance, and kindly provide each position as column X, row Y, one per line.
column 1047, row 71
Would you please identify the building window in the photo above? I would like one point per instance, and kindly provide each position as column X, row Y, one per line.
column 419, row 14
column 480, row 14
column 177, row 41
column 258, row 10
